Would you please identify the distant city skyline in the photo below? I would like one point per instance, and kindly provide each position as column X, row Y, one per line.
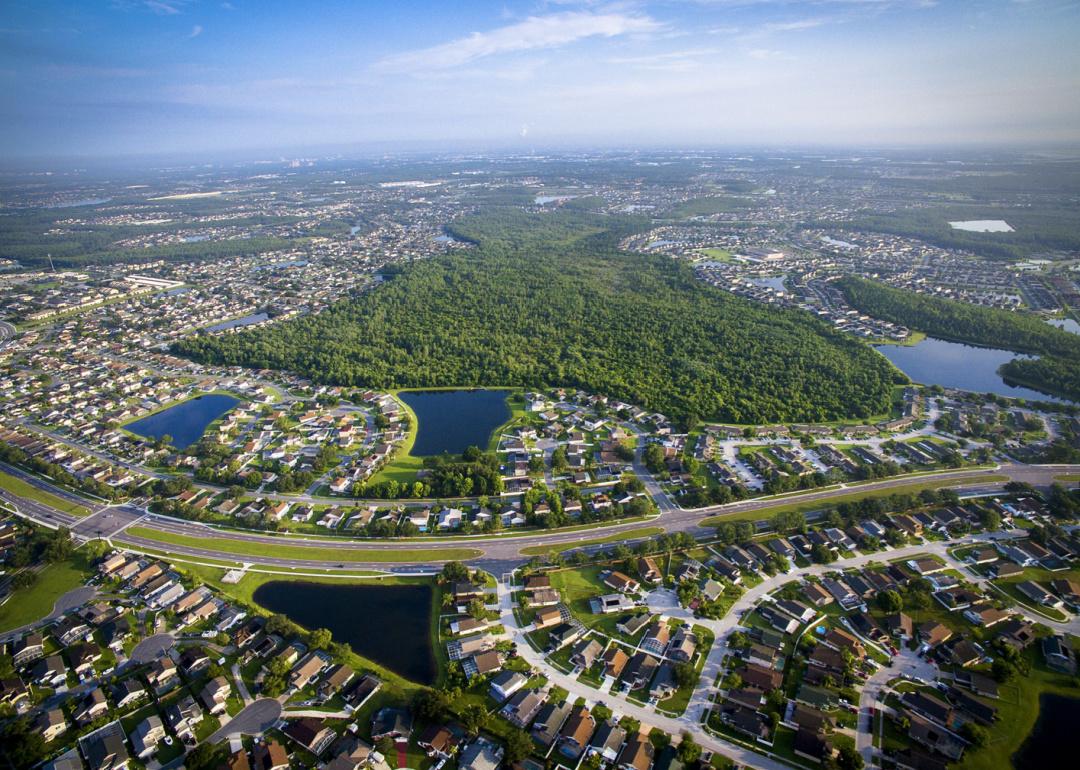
column 120, row 77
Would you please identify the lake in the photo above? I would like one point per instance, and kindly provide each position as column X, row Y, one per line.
column 185, row 421
column 389, row 624
column 1049, row 744
column 955, row 365
column 248, row 320
column 453, row 420
column 1068, row 324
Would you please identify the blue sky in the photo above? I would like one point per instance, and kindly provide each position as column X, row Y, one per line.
column 103, row 77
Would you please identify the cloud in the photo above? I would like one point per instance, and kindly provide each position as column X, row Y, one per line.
column 534, row 33
column 195, row 31
column 164, row 7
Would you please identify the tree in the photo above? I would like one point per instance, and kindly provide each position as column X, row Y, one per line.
column 95, row 549
column 654, row 457
column 206, row 756
column 454, row 571
column 320, row 638
column 849, row 758
column 975, row 734
column 23, row 746
column 689, row 752
column 518, row 745
column 474, row 717
column 431, row 705
column 685, row 674
column 890, row 601
column 1001, row 670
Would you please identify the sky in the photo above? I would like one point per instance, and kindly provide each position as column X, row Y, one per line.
column 88, row 78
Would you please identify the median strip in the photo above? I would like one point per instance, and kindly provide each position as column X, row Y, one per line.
column 824, row 503
column 630, row 534
column 255, row 550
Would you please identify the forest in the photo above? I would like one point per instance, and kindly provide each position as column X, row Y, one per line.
column 548, row 300
column 1056, row 372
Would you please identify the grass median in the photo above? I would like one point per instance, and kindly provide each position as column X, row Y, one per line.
column 255, row 550
column 17, row 486
column 820, row 504
column 630, row 534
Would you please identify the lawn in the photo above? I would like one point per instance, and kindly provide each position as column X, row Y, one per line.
column 28, row 605
column 786, row 505
column 306, row 553
column 641, row 532
column 1008, row 587
column 22, row 488
column 717, row 255
column 1018, row 708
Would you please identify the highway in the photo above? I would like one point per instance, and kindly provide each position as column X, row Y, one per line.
column 497, row 552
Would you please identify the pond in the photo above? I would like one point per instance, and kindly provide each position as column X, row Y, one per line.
column 185, row 421
column 955, row 365
column 454, row 420
column 389, row 624
column 233, row 323
column 775, row 282
column 1049, row 744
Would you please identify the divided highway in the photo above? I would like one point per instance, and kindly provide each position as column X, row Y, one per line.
column 497, row 553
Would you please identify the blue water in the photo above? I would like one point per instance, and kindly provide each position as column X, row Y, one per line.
column 76, row 204
column 453, row 420
column 776, row 282
column 955, row 365
column 1068, row 324
column 248, row 320
column 186, row 421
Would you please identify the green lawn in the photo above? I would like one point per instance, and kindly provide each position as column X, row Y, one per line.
column 24, row 489
column 540, row 550
column 306, row 553
column 1009, row 587
column 717, row 255
column 27, row 605
column 788, row 505
column 1018, row 708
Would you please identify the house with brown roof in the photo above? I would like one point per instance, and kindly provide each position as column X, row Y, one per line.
column 269, row 755
column 615, row 660
column 933, row 633
column 648, row 570
column 311, row 734
column 575, row 733
column 636, row 754
column 617, row 581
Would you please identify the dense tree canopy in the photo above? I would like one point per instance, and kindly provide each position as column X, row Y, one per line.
column 548, row 300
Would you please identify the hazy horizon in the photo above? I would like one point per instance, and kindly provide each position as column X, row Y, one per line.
column 184, row 77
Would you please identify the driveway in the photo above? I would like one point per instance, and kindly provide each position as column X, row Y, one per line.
column 252, row 720
column 151, row 648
